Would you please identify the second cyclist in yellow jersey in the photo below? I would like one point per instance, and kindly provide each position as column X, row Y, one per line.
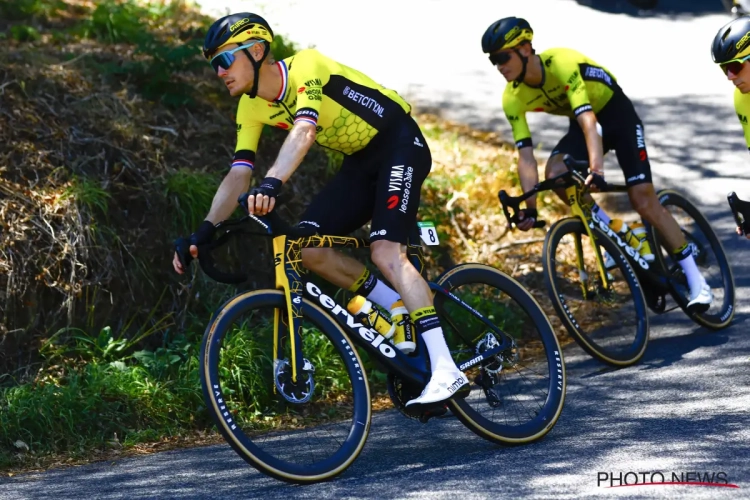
column 571, row 84
column 602, row 118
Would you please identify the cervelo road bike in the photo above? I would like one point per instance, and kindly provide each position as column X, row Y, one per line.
column 602, row 301
column 307, row 416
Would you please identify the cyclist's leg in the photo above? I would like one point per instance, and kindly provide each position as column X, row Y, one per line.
column 630, row 145
column 341, row 207
column 403, row 169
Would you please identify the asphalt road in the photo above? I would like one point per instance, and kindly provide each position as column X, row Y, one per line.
column 683, row 409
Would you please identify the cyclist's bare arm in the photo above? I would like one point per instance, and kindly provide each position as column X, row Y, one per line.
column 587, row 121
column 236, row 182
column 294, row 149
column 529, row 175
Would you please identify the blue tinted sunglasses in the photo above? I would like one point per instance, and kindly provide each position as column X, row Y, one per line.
column 225, row 59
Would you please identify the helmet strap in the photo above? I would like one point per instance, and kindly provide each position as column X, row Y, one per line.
column 256, row 67
column 525, row 61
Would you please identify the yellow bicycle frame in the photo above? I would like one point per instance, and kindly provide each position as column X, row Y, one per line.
column 573, row 194
column 287, row 271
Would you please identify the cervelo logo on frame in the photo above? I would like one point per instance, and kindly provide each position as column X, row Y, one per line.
column 368, row 334
column 632, row 252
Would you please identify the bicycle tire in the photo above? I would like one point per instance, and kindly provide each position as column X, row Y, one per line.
column 721, row 318
column 630, row 356
column 549, row 413
column 237, row 439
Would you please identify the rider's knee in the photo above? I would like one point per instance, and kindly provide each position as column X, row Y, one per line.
column 386, row 255
column 315, row 258
column 643, row 199
column 554, row 168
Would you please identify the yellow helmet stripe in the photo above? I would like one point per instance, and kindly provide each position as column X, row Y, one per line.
column 525, row 36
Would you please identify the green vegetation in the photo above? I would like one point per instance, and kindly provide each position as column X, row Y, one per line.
column 117, row 136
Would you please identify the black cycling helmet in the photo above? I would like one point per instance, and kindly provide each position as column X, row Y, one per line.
column 506, row 34
column 732, row 41
column 238, row 28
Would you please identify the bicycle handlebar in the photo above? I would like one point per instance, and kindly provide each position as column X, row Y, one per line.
column 578, row 171
column 740, row 211
column 271, row 224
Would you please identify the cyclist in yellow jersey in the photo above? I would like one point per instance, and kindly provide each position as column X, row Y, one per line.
column 731, row 51
column 565, row 82
column 386, row 161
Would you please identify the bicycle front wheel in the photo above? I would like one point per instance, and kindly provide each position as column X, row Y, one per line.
column 516, row 396
column 709, row 255
column 610, row 323
column 302, row 431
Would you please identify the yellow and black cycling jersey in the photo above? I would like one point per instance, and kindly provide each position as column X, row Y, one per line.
column 742, row 107
column 571, row 84
column 347, row 107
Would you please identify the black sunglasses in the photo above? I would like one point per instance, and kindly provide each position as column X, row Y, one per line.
column 500, row 58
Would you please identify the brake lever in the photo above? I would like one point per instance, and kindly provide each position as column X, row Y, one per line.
column 513, row 218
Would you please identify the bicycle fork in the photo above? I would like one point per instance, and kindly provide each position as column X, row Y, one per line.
column 287, row 259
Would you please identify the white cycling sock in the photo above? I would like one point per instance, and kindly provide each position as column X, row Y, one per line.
column 440, row 356
column 693, row 274
column 383, row 295
column 599, row 211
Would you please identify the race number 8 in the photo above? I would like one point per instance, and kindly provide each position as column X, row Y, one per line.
column 428, row 233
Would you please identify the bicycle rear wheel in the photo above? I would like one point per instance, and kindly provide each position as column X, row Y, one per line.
column 609, row 324
column 516, row 396
column 262, row 413
column 709, row 255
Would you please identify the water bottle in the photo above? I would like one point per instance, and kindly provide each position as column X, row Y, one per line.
column 372, row 316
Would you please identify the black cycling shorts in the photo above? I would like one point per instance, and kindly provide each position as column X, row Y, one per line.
column 380, row 183
column 622, row 131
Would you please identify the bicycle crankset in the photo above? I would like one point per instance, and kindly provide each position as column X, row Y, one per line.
column 657, row 302
column 294, row 392
column 401, row 392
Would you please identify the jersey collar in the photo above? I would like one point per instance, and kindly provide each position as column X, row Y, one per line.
column 284, row 81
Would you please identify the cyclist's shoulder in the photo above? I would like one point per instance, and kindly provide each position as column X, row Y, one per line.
column 511, row 94
column 561, row 55
column 306, row 58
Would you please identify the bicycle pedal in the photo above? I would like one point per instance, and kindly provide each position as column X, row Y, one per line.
column 656, row 302
column 433, row 411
